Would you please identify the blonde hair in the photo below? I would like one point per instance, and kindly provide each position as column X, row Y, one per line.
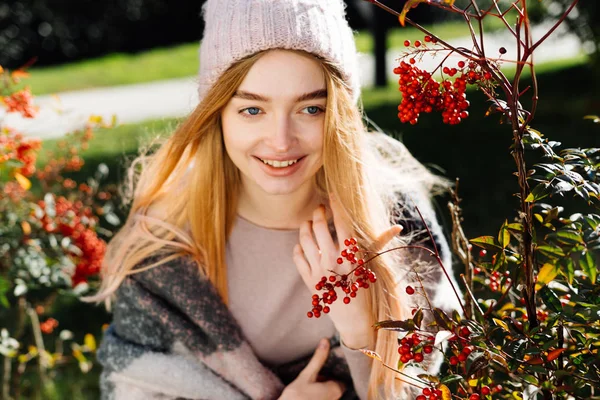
column 173, row 216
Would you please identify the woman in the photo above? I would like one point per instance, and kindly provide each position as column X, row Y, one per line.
column 246, row 206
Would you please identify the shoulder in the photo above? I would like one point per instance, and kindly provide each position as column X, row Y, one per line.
column 171, row 276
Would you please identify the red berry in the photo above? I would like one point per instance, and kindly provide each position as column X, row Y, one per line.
column 427, row 38
column 485, row 390
column 326, row 309
column 462, row 357
column 482, row 253
column 475, row 396
column 406, row 44
column 347, row 242
column 412, row 61
column 502, row 50
column 476, row 270
column 309, row 314
column 417, row 43
column 346, row 300
column 340, row 260
column 421, row 397
column 419, row 357
column 426, row 391
column 427, row 349
column 453, row 360
column 410, row 290
column 352, row 241
column 464, row 331
column 461, row 64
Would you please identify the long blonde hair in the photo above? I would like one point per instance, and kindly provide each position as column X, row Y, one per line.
column 172, row 215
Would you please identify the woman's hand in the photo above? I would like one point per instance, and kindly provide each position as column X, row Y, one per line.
column 305, row 386
column 316, row 259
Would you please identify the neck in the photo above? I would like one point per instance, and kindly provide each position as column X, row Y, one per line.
column 278, row 211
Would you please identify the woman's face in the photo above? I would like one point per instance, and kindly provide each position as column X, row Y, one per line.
column 273, row 125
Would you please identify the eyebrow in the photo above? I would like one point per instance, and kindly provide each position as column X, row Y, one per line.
column 317, row 94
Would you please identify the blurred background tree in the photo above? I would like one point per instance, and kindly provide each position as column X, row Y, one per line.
column 60, row 31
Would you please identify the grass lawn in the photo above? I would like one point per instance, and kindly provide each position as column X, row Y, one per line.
column 176, row 62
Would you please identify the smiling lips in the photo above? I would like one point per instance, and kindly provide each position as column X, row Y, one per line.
column 279, row 163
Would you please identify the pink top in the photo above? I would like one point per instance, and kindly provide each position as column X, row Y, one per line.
column 269, row 300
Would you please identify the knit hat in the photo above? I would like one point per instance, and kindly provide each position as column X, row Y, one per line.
column 235, row 29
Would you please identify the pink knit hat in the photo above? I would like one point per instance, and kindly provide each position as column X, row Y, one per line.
column 235, row 29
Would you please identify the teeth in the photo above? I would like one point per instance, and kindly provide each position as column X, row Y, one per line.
column 279, row 164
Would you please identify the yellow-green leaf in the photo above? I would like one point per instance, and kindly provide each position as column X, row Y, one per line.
column 24, row 182
column 371, row 354
column 90, row 342
column 546, row 275
column 504, row 236
column 407, row 6
column 501, row 324
column 446, row 394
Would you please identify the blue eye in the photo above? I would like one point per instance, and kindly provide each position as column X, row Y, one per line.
column 251, row 111
column 313, row 110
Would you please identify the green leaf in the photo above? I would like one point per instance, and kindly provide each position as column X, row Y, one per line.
column 504, row 236
column 515, row 227
column 393, row 325
column 550, row 299
column 539, row 192
column 588, row 265
column 546, row 275
column 451, row 378
column 486, row 242
column 478, row 361
column 569, row 237
column 551, row 251
column 568, row 269
column 418, row 317
column 530, row 379
column 442, row 319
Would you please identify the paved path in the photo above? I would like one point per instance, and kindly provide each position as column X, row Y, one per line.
column 175, row 98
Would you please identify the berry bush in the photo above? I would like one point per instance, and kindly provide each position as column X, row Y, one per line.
column 52, row 244
column 529, row 324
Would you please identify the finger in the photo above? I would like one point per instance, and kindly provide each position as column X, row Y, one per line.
column 311, row 371
column 321, row 229
column 386, row 236
column 309, row 247
column 302, row 265
column 334, row 389
column 340, row 220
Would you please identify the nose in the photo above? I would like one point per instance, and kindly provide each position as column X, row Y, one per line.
column 281, row 134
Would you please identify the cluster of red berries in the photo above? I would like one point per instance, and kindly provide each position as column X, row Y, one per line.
column 345, row 282
column 497, row 279
column 48, row 326
column 484, row 391
column 13, row 146
column 422, row 93
column 412, row 347
column 21, row 102
column 430, row 394
column 76, row 221
column 462, row 349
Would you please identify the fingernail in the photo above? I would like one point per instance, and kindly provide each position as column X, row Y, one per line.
column 323, row 343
